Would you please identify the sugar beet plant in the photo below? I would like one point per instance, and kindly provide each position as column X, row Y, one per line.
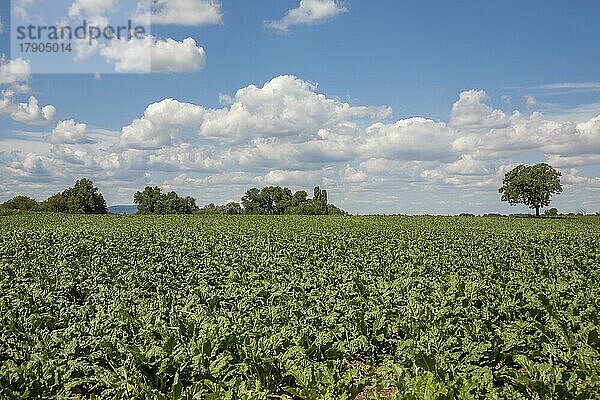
column 298, row 308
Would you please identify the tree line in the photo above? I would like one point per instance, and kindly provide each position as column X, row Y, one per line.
column 85, row 198
column 270, row 200
column 531, row 185
column 81, row 198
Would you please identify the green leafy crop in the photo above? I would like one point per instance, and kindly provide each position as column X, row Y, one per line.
column 260, row 307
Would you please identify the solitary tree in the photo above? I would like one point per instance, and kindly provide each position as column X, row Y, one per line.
column 531, row 185
column 82, row 198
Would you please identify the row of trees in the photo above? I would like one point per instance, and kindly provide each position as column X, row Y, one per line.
column 270, row 200
column 82, row 198
column 532, row 186
column 232, row 208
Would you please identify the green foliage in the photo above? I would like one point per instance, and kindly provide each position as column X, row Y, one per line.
column 82, row 198
column 21, row 203
column 246, row 307
column 531, row 185
column 147, row 200
column 54, row 203
column 270, row 200
column 551, row 212
column 275, row 200
column 306, row 208
column 152, row 201
column 334, row 210
column 252, row 202
column 232, row 208
column 320, row 199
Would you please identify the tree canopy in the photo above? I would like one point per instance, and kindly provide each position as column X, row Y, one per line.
column 82, row 198
column 276, row 200
column 21, row 203
column 152, row 201
column 531, row 185
column 231, row 208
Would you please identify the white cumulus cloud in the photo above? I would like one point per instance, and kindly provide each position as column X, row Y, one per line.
column 470, row 112
column 179, row 12
column 31, row 113
column 14, row 71
column 161, row 124
column 90, row 8
column 286, row 132
column 69, row 132
column 286, row 106
column 151, row 54
column 308, row 12
column 410, row 139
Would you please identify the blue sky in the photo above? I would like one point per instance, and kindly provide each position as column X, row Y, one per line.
column 399, row 60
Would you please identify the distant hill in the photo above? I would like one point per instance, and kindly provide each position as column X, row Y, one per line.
column 123, row 209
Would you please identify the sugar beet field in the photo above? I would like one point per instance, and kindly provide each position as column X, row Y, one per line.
column 130, row 307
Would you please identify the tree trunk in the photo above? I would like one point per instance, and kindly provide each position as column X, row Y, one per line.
column 537, row 211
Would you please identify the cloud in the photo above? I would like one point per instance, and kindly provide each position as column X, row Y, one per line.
column 6, row 104
column 283, row 154
column 69, row 132
column 577, row 86
column 30, row 113
column 470, row 112
column 560, row 161
column 308, row 12
column 161, row 124
column 530, row 102
column 1, row 25
column 351, row 175
column 286, row 132
column 290, row 178
column 21, row 8
column 579, row 113
column 410, row 139
column 225, row 99
column 14, row 71
column 286, row 106
column 179, row 12
column 155, row 55
column 90, row 8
